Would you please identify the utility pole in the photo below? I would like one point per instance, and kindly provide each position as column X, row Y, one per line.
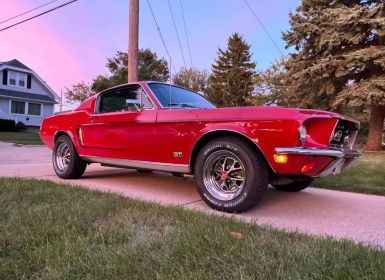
column 133, row 41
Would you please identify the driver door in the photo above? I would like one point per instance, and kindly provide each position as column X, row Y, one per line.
column 123, row 125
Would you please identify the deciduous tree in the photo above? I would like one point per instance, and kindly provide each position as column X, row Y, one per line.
column 193, row 79
column 78, row 93
column 269, row 85
column 150, row 67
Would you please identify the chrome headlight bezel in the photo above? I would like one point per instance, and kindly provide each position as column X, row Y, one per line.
column 302, row 133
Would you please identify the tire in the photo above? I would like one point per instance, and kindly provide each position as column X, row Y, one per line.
column 66, row 161
column 225, row 190
column 295, row 186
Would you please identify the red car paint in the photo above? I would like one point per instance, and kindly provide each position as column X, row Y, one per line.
column 158, row 135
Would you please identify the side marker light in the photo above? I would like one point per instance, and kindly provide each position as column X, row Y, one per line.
column 308, row 167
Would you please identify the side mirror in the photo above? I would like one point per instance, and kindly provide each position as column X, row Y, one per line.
column 133, row 105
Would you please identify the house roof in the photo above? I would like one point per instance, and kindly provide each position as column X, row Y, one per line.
column 26, row 95
column 15, row 63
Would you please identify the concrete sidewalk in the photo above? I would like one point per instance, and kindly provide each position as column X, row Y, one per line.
column 314, row 211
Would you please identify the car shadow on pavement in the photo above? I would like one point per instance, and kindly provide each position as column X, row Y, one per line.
column 308, row 205
column 280, row 203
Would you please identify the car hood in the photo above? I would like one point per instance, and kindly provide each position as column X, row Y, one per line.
column 265, row 113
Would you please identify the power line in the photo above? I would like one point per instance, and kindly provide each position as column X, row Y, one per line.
column 160, row 34
column 177, row 34
column 185, row 30
column 38, row 15
column 264, row 28
column 22, row 14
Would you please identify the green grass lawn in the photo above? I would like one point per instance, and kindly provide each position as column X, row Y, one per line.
column 51, row 231
column 367, row 175
column 22, row 138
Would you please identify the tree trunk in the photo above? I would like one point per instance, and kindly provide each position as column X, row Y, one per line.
column 376, row 125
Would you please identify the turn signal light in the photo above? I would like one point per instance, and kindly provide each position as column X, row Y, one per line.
column 308, row 167
column 280, row 158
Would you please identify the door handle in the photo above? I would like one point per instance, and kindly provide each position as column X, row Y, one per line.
column 92, row 117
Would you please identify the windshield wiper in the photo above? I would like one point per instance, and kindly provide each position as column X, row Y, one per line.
column 185, row 105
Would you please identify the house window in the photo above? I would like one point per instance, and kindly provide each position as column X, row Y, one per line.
column 22, row 80
column 34, row 109
column 12, row 78
column 17, row 79
column 18, row 107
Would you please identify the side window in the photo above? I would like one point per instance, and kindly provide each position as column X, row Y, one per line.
column 121, row 100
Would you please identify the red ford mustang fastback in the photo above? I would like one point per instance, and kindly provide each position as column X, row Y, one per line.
column 233, row 153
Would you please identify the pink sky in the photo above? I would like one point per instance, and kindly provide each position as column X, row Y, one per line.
column 39, row 47
column 60, row 61
column 72, row 44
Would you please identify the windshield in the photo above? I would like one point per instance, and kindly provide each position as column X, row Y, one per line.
column 180, row 97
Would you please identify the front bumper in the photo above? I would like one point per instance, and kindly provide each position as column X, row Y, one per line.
column 341, row 158
column 337, row 153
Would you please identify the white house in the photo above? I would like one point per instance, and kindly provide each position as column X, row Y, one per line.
column 24, row 96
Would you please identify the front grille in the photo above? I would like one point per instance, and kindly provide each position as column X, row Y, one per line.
column 344, row 134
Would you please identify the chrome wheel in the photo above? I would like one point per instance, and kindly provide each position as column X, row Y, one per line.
column 224, row 175
column 62, row 157
column 65, row 159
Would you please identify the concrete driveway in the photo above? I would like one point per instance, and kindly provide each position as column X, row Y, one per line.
column 314, row 211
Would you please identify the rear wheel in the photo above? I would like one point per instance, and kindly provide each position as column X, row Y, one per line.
column 230, row 174
column 295, row 186
column 66, row 161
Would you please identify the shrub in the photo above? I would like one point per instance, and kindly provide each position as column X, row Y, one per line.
column 20, row 126
column 7, row 125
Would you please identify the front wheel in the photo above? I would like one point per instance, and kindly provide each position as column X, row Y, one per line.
column 230, row 174
column 66, row 161
column 295, row 186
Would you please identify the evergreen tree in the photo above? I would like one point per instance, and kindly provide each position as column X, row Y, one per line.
column 231, row 81
column 340, row 59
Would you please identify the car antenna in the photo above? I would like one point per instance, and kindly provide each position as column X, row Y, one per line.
column 170, row 103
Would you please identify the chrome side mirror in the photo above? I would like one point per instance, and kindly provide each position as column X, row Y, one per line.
column 133, row 105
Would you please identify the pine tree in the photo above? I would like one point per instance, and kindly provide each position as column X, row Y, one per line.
column 340, row 59
column 231, row 81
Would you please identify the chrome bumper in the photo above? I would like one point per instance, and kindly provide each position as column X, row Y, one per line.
column 337, row 153
column 343, row 158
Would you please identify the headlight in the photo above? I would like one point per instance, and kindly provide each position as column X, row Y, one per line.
column 302, row 134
